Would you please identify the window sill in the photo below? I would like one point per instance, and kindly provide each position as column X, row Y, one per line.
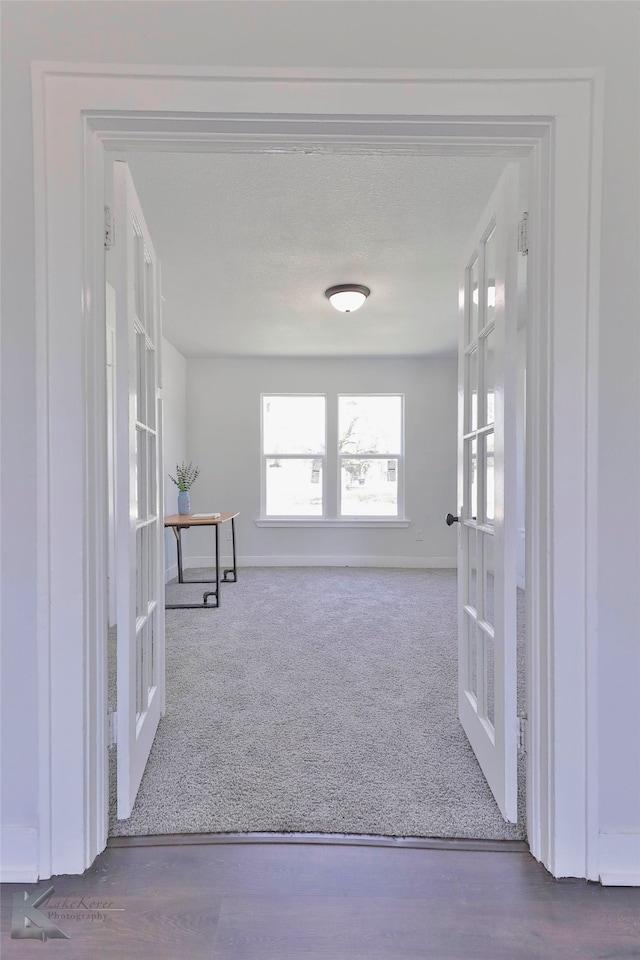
column 379, row 522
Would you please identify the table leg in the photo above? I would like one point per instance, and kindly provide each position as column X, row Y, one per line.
column 215, row 593
column 225, row 576
column 178, row 533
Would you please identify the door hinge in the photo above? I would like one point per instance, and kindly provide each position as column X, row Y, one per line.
column 523, row 730
column 523, row 235
column 112, row 728
column 109, row 229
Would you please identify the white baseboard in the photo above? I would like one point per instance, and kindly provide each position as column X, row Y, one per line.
column 171, row 572
column 419, row 563
column 619, row 862
column 189, row 563
column 19, row 854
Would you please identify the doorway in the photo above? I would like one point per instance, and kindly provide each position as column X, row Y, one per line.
column 573, row 193
column 428, row 167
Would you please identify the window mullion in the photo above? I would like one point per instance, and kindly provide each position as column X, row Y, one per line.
column 293, row 456
column 332, row 471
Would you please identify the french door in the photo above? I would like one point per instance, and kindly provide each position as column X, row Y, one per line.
column 135, row 273
column 487, row 679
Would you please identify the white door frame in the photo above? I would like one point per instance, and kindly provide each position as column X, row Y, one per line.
column 556, row 115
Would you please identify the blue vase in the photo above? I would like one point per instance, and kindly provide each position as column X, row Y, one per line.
column 184, row 503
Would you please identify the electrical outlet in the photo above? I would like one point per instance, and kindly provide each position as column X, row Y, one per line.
column 418, row 534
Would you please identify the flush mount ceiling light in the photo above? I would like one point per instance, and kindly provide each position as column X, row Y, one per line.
column 347, row 297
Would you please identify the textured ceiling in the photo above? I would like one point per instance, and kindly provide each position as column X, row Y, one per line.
column 250, row 242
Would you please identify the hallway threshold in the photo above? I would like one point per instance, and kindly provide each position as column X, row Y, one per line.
column 326, row 839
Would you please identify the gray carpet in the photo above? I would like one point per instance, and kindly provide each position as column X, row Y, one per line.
column 315, row 700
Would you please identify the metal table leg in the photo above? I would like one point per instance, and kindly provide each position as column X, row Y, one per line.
column 208, row 593
column 225, row 575
column 215, row 593
column 178, row 535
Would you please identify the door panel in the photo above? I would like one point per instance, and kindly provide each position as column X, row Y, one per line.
column 487, row 494
column 139, row 529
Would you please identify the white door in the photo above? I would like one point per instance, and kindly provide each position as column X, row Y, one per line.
column 487, row 695
column 135, row 272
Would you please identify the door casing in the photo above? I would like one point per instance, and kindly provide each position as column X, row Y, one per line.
column 555, row 116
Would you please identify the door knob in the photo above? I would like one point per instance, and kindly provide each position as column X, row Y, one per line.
column 451, row 519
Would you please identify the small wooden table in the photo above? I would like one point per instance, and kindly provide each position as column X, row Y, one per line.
column 179, row 522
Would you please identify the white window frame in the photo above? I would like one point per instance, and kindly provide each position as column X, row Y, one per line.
column 400, row 457
column 291, row 456
column 331, row 465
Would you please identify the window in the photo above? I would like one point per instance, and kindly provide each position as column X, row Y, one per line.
column 359, row 474
column 370, row 451
column 293, row 455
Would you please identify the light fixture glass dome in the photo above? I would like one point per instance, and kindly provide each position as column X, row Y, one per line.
column 347, row 297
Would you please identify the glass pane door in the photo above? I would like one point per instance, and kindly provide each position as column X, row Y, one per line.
column 486, row 550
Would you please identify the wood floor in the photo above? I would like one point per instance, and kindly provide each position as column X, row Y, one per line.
column 303, row 901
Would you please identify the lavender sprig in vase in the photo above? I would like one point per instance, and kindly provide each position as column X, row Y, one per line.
column 185, row 477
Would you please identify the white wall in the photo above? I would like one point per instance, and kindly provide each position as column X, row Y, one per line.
column 224, row 439
column 174, row 436
column 390, row 34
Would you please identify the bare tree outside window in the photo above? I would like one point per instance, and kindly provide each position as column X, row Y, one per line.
column 369, row 450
